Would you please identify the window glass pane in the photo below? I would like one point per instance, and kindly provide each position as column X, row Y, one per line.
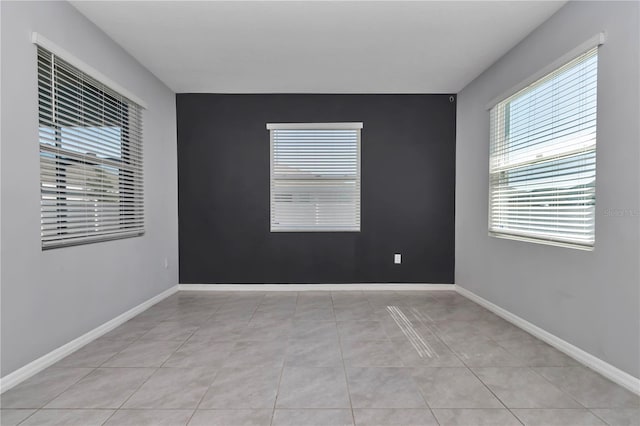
column 106, row 142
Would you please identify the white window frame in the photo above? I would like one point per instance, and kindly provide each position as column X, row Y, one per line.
column 91, row 159
column 276, row 226
column 497, row 138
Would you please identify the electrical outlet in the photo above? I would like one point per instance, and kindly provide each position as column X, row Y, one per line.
column 166, row 263
column 397, row 258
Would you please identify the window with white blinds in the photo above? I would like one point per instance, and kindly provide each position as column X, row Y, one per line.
column 543, row 158
column 315, row 177
column 90, row 157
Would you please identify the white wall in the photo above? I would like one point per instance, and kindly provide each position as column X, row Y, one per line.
column 51, row 297
column 590, row 299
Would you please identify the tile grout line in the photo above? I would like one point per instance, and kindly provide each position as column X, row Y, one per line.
column 556, row 386
column 195, row 410
column 484, row 384
column 132, row 393
column 92, row 370
column 28, row 417
column 154, row 372
column 419, row 388
column 344, row 366
column 284, row 361
column 256, row 309
column 600, row 418
column 215, row 376
column 54, row 409
column 479, row 379
column 523, row 367
column 493, row 393
column 150, row 376
column 61, row 392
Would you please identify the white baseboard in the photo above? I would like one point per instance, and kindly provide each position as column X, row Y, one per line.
column 23, row 373
column 607, row 370
column 315, row 287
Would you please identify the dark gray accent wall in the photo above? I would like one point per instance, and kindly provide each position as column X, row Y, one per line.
column 408, row 191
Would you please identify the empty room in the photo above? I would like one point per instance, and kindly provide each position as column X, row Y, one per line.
column 320, row 213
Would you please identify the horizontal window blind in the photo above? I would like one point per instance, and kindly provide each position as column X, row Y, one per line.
column 315, row 177
column 90, row 158
column 543, row 157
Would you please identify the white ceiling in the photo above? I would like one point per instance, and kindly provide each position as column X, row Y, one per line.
column 319, row 46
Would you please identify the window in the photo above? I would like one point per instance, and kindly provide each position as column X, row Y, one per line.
column 543, row 158
column 90, row 157
column 315, row 177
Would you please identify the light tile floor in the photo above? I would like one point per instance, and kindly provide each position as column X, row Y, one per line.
column 341, row 358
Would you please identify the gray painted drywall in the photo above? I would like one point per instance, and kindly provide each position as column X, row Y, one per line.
column 51, row 297
column 590, row 299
